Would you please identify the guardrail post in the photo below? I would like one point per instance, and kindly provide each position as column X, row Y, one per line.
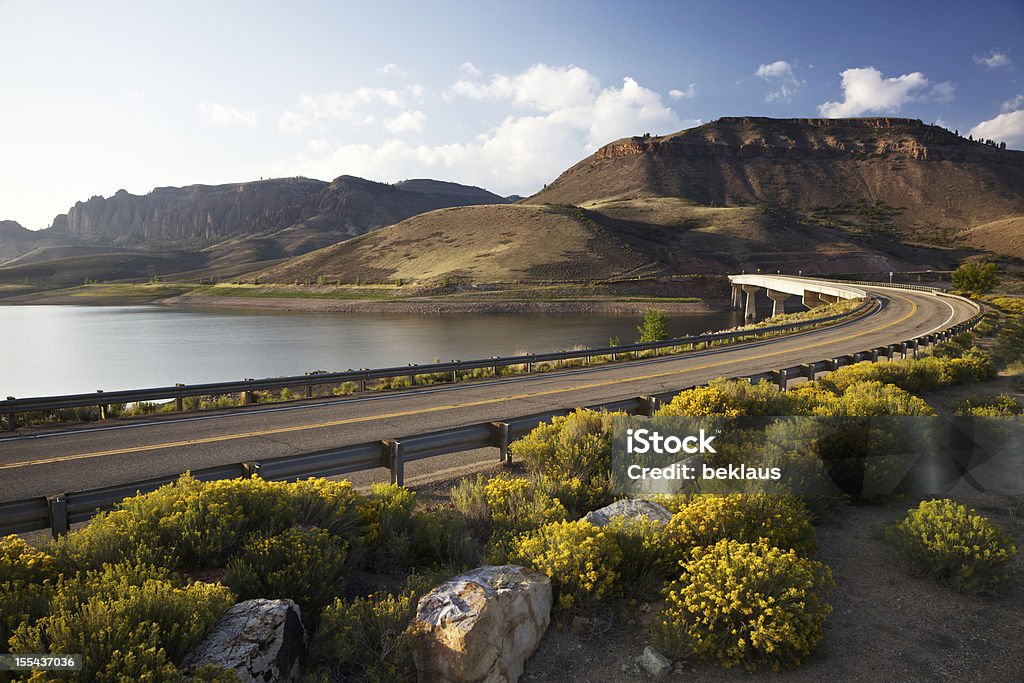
column 501, row 439
column 648, row 405
column 102, row 407
column 412, row 375
column 395, row 464
column 810, row 371
column 248, row 397
column 179, row 401
column 873, row 354
column 251, row 469
column 57, row 505
column 12, row 421
column 781, row 378
column 903, row 350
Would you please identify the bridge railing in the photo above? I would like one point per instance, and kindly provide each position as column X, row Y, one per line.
column 59, row 511
column 12, row 407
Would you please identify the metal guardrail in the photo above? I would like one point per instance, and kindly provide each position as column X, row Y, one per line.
column 58, row 512
column 14, row 406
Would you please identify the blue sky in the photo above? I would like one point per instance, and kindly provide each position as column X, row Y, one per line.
column 100, row 96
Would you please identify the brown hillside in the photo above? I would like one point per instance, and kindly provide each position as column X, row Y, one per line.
column 921, row 182
column 481, row 243
column 1004, row 237
column 600, row 241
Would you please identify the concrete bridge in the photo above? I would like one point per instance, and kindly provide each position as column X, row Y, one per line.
column 812, row 292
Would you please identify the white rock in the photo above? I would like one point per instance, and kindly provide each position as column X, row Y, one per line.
column 482, row 626
column 630, row 508
column 654, row 663
column 260, row 640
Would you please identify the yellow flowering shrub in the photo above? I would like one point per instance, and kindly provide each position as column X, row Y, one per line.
column 746, row 517
column 366, row 639
column 576, row 449
column 129, row 622
column 580, row 558
column 192, row 523
column 746, row 603
column 954, row 545
column 27, row 576
column 307, row 565
column 729, row 398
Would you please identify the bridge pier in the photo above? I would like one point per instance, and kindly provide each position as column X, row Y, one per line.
column 810, row 299
column 751, row 308
column 828, row 298
column 778, row 301
column 737, row 297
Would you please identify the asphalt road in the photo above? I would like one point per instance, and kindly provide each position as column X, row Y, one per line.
column 43, row 463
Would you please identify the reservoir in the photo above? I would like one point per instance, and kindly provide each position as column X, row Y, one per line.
column 48, row 350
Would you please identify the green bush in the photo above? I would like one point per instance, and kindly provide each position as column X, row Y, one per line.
column 912, row 375
column 1003, row 405
column 367, row 639
column 955, row 546
column 976, row 277
column 580, row 558
column 505, row 504
column 745, row 517
column 201, row 524
column 647, row 561
column 654, row 327
column 730, row 398
column 746, row 603
column 574, row 453
column 129, row 622
column 874, row 399
column 307, row 565
column 27, row 576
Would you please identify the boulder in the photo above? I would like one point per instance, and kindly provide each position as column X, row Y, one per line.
column 630, row 508
column 654, row 663
column 260, row 640
column 482, row 625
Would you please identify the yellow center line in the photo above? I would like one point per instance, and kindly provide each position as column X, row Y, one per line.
column 453, row 406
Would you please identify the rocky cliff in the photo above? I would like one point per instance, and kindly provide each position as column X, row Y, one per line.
column 200, row 214
column 928, row 182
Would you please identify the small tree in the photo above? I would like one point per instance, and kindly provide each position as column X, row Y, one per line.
column 976, row 277
column 654, row 327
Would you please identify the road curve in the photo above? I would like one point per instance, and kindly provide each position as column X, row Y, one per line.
column 119, row 452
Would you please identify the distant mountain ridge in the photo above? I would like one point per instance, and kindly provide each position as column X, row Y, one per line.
column 346, row 206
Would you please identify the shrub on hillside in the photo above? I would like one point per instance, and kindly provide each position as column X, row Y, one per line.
column 782, row 519
column 730, row 398
column 575, row 453
column 647, row 560
column 505, row 504
column 580, row 558
column 129, row 622
column 366, row 639
column 874, row 399
column 955, row 546
column 308, row 566
column 746, row 603
column 27, row 577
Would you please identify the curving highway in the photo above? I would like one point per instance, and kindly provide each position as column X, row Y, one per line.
column 115, row 452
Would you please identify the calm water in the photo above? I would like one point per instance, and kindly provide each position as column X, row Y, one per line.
column 71, row 349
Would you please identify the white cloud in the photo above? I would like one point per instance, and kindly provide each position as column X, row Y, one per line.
column 1007, row 127
column 391, row 69
column 347, row 107
column 541, row 87
column 469, row 69
column 993, row 60
column 781, row 76
column 941, row 122
column 226, row 115
column 406, row 122
column 943, row 92
column 676, row 94
column 555, row 116
column 864, row 90
column 1014, row 103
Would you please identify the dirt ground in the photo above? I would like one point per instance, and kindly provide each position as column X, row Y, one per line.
column 886, row 625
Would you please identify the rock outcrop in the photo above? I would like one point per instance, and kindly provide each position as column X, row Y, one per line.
column 201, row 214
column 630, row 508
column 920, row 176
column 482, row 626
column 260, row 640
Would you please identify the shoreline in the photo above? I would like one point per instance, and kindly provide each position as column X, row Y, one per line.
column 434, row 307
